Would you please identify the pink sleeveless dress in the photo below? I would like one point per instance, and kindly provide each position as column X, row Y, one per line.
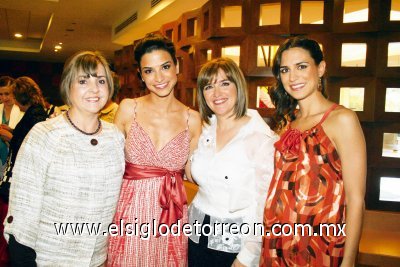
column 139, row 205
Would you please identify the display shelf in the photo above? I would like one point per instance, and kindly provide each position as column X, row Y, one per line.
column 338, row 86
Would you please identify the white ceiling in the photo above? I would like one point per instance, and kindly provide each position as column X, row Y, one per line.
column 79, row 25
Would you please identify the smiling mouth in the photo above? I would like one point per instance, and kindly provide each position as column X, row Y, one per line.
column 93, row 99
column 297, row 87
column 161, row 85
column 220, row 101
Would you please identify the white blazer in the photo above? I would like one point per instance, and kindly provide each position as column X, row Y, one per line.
column 15, row 116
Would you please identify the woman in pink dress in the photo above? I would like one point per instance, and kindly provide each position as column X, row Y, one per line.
column 160, row 134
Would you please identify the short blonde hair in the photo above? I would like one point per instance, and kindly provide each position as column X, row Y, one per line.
column 87, row 61
column 208, row 74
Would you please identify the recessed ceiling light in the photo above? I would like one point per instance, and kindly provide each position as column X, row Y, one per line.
column 55, row 50
column 58, row 47
column 60, row 43
column 18, row 35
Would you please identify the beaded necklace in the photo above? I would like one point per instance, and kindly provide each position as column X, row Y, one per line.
column 93, row 141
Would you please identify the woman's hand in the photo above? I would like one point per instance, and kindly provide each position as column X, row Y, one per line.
column 6, row 127
column 5, row 135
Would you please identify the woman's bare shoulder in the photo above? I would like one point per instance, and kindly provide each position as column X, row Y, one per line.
column 127, row 102
column 126, row 109
column 194, row 114
column 339, row 121
column 342, row 116
column 195, row 118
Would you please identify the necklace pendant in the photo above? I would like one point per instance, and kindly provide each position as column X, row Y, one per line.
column 94, row 142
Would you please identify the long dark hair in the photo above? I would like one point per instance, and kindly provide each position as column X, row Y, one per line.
column 285, row 105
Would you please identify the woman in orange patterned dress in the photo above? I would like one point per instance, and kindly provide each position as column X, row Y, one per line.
column 320, row 167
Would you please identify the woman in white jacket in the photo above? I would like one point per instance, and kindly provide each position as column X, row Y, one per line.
column 233, row 166
column 67, row 176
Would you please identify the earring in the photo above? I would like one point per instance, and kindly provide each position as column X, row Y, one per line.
column 320, row 84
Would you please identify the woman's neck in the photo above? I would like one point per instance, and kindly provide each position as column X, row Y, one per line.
column 86, row 122
column 7, row 109
column 161, row 104
column 313, row 105
column 226, row 123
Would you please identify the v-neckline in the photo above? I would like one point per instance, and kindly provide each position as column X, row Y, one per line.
column 232, row 139
column 152, row 143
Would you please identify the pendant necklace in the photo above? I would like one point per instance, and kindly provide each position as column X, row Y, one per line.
column 94, row 140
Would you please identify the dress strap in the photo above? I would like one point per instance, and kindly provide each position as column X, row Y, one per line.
column 134, row 109
column 187, row 120
column 333, row 107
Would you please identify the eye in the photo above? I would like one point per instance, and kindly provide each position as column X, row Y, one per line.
column 302, row 66
column 147, row 71
column 166, row 67
column 208, row 87
column 225, row 83
column 283, row 70
column 82, row 81
column 102, row 81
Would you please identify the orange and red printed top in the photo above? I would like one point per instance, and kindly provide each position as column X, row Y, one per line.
column 306, row 191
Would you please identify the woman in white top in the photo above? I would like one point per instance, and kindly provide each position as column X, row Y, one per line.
column 67, row 176
column 10, row 115
column 232, row 165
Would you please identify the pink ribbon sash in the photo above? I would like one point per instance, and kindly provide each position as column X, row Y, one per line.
column 172, row 195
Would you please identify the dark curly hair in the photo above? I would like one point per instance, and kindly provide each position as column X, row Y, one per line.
column 152, row 42
column 285, row 105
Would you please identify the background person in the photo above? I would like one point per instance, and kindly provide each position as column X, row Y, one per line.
column 160, row 133
column 10, row 116
column 232, row 165
column 320, row 164
column 110, row 109
column 68, row 170
column 29, row 99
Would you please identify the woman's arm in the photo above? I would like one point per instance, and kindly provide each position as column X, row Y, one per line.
column 350, row 143
column 27, row 188
column 261, row 153
column 195, row 131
